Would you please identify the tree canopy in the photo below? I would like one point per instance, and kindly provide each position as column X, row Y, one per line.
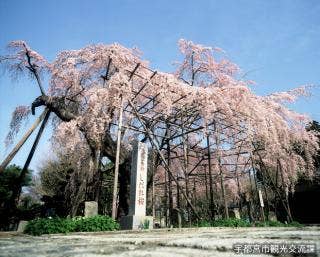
column 204, row 103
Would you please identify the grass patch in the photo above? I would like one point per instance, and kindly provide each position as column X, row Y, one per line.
column 244, row 223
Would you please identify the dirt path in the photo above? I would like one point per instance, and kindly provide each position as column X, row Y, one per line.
column 160, row 243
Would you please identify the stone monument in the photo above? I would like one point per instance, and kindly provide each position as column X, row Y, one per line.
column 235, row 213
column 137, row 218
column 90, row 208
column 272, row 216
column 22, row 225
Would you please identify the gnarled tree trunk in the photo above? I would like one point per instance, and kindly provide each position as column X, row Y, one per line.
column 57, row 105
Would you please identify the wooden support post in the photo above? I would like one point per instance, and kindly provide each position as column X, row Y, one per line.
column 238, row 181
column 194, row 190
column 14, row 151
column 178, row 197
column 116, row 167
column 287, row 208
column 153, row 189
column 169, row 181
column 250, row 198
column 280, row 196
column 289, row 218
column 226, row 210
column 166, row 199
column 265, row 193
column 186, row 177
column 206, row 183
column 210, row 180
column 17, row 189
column 259, row 195
column 223, row 191
column 261, row 203
column 239, row 190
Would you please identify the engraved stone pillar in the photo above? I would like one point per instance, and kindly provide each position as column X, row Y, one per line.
column 137, row 218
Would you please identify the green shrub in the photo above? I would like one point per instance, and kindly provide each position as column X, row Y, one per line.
column 268, row 224
column 295, row 224
column 95, row 223
column 49, row 226
column 204, row 223
column 64, row 225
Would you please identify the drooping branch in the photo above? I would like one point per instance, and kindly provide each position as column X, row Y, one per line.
column 57, row 105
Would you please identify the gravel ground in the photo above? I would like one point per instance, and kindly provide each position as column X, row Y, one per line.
column 162, row 242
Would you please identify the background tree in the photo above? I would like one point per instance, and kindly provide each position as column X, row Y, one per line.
column 59, row 182
column 8, row 180
column 315, row 126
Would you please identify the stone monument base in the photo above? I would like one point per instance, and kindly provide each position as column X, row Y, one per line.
column 272, row 216
column 136, row 222
column 22, row 225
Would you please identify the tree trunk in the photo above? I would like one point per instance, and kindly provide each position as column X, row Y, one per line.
column 124, row 193
column 58, row 106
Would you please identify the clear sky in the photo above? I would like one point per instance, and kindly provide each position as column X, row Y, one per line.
column 276, row 41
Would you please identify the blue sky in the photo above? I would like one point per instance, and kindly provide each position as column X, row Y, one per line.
column 276, row 41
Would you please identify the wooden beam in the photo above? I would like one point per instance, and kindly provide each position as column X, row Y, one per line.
column 17, row 188
column 14, row 151
column 116, row 168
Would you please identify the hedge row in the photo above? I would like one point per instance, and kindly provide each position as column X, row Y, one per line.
column 64, row 225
